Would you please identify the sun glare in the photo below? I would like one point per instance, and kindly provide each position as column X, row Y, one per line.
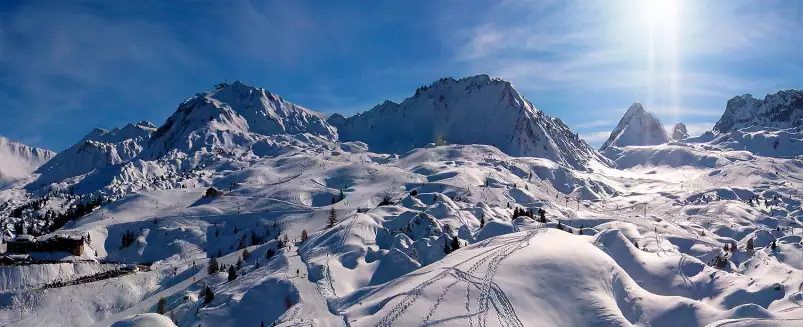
column 662, row 15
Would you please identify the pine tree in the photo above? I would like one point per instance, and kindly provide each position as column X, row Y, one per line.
column 269, row 254
column 733, row 246
column 342, row 195
column 208, row 295
column 560, row 226
column 232, row 273
column 725, row 247
column 750, row 245
column 239, row 263
column 455, row 244
column 160, row 307
column 482, row 221
column 213, row 266
column 332, row 218
column 774, row 245
column 246, row 253
column 304, row 236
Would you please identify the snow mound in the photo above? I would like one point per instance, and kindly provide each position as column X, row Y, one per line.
column 637, row 127
column 145, row 320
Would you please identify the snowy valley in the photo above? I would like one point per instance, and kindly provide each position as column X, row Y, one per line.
column 463, row 205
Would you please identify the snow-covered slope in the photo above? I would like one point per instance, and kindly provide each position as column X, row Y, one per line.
column 18, row 160
column 783, row 109
column 637, row 127
column 100, row 148
column 679, row 132
column 472, row 110
column 236, row 115
column 312, row 232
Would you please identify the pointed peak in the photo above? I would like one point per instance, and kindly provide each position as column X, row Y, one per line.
column 636, row 107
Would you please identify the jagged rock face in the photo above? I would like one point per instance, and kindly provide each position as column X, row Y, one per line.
column 99, row 148
column 637, row 127
column 233, row 116
column 680, row 132
column 18, row 160
column 473, row 110
column 783, row 109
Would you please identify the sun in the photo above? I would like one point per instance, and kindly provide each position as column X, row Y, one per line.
column 662, row 16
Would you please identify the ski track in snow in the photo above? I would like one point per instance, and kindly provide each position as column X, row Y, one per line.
column 485, row 288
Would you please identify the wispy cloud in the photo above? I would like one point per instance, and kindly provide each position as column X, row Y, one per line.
column 596, row 137
column 601, row 45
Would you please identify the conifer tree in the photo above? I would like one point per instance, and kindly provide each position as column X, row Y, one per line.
column 304, row 236
column 446, row 248
column 232, row 273
column 455, row 244
column 332, row 218
column 482, row 221
column 160, row 307
column 213, row 266
column 208, row 295
column 750, row 245
column 774, row 245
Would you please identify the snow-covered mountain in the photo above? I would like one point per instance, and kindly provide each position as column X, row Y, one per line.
column 99, row 148
column 783, row 109
column 234, row 115
column 679, row 132
column 312, row 232
column 472, row 110
column 637, row 127
column 18, row 160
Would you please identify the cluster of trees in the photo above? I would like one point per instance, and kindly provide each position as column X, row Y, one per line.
column 56, row 221
column 127, row 239
column 52, row 220
column 522, row 213
column 449, row 247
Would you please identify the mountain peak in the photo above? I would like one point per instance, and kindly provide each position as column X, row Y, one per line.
column 637, row 127
column 679, row 132
column 471, row 110
column 635, row 108
column 782, row 109
column 17, row 159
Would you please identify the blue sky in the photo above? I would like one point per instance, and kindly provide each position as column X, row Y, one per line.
column 69, row 66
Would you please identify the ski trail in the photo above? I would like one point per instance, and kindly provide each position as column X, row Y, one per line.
column 490, row 294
